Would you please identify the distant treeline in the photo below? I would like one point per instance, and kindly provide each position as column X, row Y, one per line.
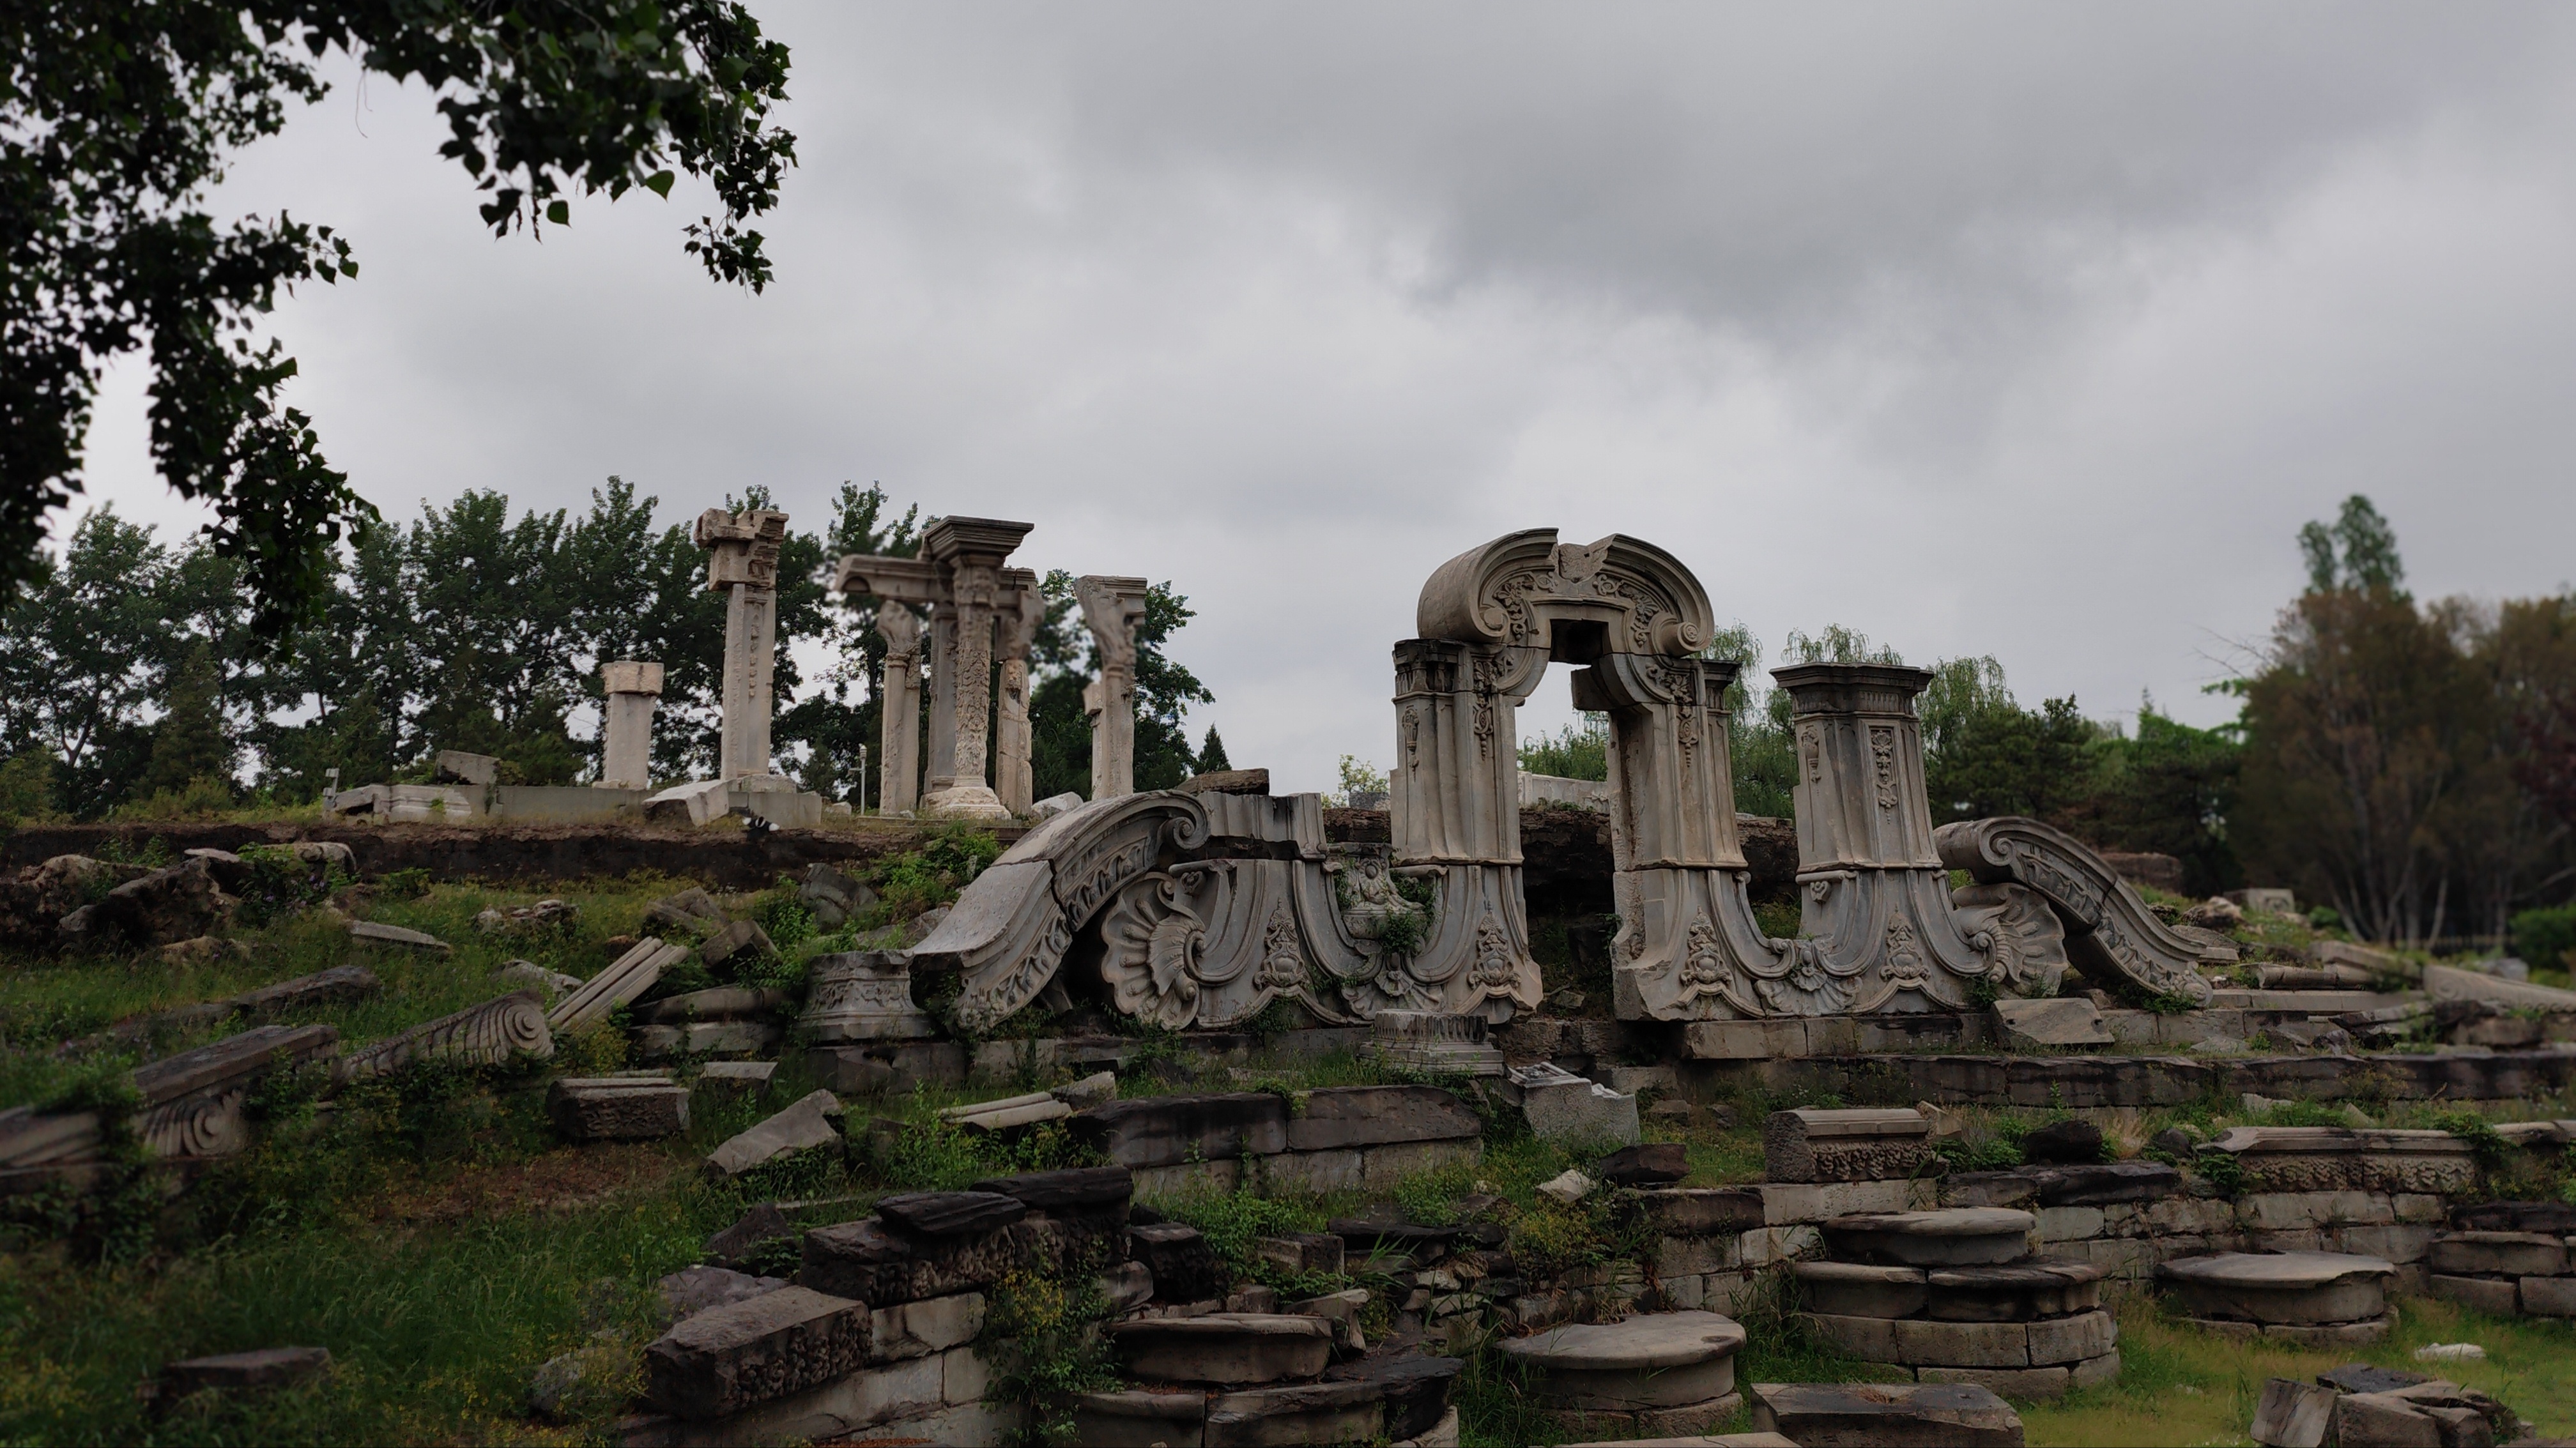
column 2410, row 765
column 131, row 678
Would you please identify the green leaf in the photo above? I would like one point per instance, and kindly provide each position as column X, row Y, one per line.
column 659, row 183
column 559, row 213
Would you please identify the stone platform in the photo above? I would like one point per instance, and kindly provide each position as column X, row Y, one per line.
column 1656, row 1373
column 2310, row 1298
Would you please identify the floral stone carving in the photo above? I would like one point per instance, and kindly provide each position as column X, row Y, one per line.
column 2111, row 936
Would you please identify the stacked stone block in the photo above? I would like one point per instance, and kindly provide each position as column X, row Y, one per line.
column 2524, row 1264
column 1363, row 1138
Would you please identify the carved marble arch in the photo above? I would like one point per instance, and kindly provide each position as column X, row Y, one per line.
column 1620, row 595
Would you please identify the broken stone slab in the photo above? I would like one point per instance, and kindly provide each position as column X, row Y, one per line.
column 1886, row 1415
column 688, row 911
column 2292, row 1414
column 832, row 897
column 2500, row 1254
column 862, row 1259
column 260, row 1370
column 338, row 985
column 740, row 938
column 1343, row 1310
column 618, row 1108
column 1135, row 1417
column 1223, row 1347
column 1184, row 1265
column 807, row 1124
column 2295, row 1288
column 375, row 934
column 2014, row 1291
column 737, row 1078
column 2380, row 1420
column 2554, row 1217
column 1082, row 1190
column 2096, row 1184
column 1567, row 1187
column 763, row 1223
column 693, row 1290
column 1858, row 1289
column 2061, row 1021
column 1372, row 1239
column 1947, row 1237
column 527, row 973
column 722, row 1003
column 1811, row 1144
column 1648, row 1164
column 1299, row 1252
column 2364, row 1378
column 950, row 1214
column 1090, row 1091
column 485, row 1035
column 863, row 995
column 2073, row 1141
column 2450, row 983
column 1005, row 1115
column 730, row 1358
column 1701, row 1211
column 180, row 902
column 1125, row 1287
column 1344, row 1412
column 1564, row 1106
column 1415, row 1390
column 1171, row 1130
column 1356, row 1116
column 2338, row 1158
column 731, row 1040
column 922, row 1327
column 625, row 978
column 1653, row 1360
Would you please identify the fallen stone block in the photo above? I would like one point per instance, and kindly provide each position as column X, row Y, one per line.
column 1183, row 1264
column 1354, row 1116
column 950, row 1214
column 1300, row 1414
column 260, row 1370
column 2293, row 1414
column 739, row 938
column 928, row 1325
column 723, row 1003
column 1302, row 1252
column 730, row 1040
column 1171, row 1130
column 1562, row 1106
column 1649, row 1164
column 832, row 897
column 625, row 978
column 1863, row 1144
column 862, row 1259
column 339, row 984
column 1886, row 1415
column 762, row 1224
column 2062, row 1021
column 527, row 974
column 807, row 1124
column 484, row 1035
column 2380, row 1420
column 690, row 911
column 372, row 933
column 737, row 1078
column 693, row 1290
column 180, row 902
column 618, row 1108
column 1084, row 1190
column 1415, row 1390
column 1224, row 1348
column 1701, row 1211
column 1948, row 1237
column 730, row 1358
column 2500, row 1254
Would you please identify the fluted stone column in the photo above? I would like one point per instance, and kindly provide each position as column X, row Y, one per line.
column 742, row 562
column 633, row 688
column 899, row 703
column 1111, row 609
column 971, row 552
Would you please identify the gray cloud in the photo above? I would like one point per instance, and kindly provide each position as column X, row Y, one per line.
column 2022, row 330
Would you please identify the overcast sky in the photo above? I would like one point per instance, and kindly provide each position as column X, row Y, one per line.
column 2026, row 330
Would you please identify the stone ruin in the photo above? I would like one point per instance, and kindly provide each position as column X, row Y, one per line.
column 1200, row 907
column 742, row 564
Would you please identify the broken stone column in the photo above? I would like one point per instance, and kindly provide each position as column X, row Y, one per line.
column 1014, row 778
column 742, row 562
column 1111, row 608
column 899, row 748
column 970, row 552
column 634, row 689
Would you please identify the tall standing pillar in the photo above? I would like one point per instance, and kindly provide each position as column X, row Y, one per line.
column 1111, row 609
column 1014, row 777
column 742, row 562
column 633, row 689
column 971, row 552
column 941, row 657
column 899, row 708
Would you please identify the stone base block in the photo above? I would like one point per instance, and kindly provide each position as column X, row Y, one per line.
column 2549, row 1296
column 1687, row 1420
column 2494, row 1295
column 2330, row 1334
column 2028, row 1384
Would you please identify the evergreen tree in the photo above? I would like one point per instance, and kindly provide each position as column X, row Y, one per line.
column 1212, row 758
column 190, row 743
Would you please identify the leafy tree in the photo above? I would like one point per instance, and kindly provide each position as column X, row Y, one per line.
column 84, row 656
column 2170, row 790
column 190, row 742
column 1572, row 752
column 115, row 118
column 838, row 725
column 1061, row 730
column 2358, row 553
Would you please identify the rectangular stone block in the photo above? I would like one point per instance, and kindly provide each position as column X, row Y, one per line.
column 2496, row 1295
column 2499, row 1254
column 1865, row 1144
column 1724, row 1292
column 2176, row 1216
column 1301, row 1252
column 1962, row 1344
column 2398, row 1244
column 1871, row 1339
column 2304, row 1239
column 1783, row 1039
column 863, row 1260
column 2069, row 1224
column 1697, row 1254
column 1381, row 1167
column 1320, row 1172
column 618, row 1108
column 1787, row 1202
column 918, row 1329
column 1684, row 1293
column 1765, row 1245
column 2417, row 1207
column 1220, row 1177
column 1886, row 1415
column 2549, row 1296
column 2037, row 1383
column 1348, row 1116
column 729, row 1358
column 2281, row 1211
column 1174, row 1130
column 1701, row 1211
column 2079, row 1338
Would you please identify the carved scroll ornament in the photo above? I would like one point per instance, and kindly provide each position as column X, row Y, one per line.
column 2111, row 936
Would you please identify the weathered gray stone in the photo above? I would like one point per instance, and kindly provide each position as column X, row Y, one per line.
column 1126, row 1287
column 1701, row 1211
column 2496, row 1296
column 1184, row 1266
column 2335, row 1158
column 2062, row 1021
column 2296, row 1288
column 1853, row 1289
column 1223, row 1347
column 328, row 987
column 1350, row 1116
column 618, row 1108
column 486, row 1035
column 625, row 978
column 2098, row 1184
column 763, row 1223
column 1654, row 1360
column 802, row 1126
column 1562, row 1106
column 1136, row 1418
column 1647, row 1164
column 1921, row 1342
column 1886, row 1415
column 1948, row 1237
column 1302, row 1252
column 732, row 1040
column 949, row 1214
column 527, row 973
column 2379, row 1420
column 693, row 1290
column 259, row 1370
column 722, row 1003
column 2079, row 1337
column 1862, row 1144
column 1414, row 1390
column 863, row 1260
column 737, row 1078
column 929, row 1325
column 2549, row 1296
column 729, row 1358
column 1170, row 1130
column 180, row 902
column 1311, row 1413
column 2014, row 1292
column 832, row 897
column 2293, row 1414
column 2499, row 1254
column 690, row 910
column 1099, row 1190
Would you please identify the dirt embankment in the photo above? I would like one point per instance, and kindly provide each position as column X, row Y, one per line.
column 1566, row 852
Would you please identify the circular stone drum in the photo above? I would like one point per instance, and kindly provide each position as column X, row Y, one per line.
column 2310, row 1297
column 1656, row 1360
column 1951, row 1237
